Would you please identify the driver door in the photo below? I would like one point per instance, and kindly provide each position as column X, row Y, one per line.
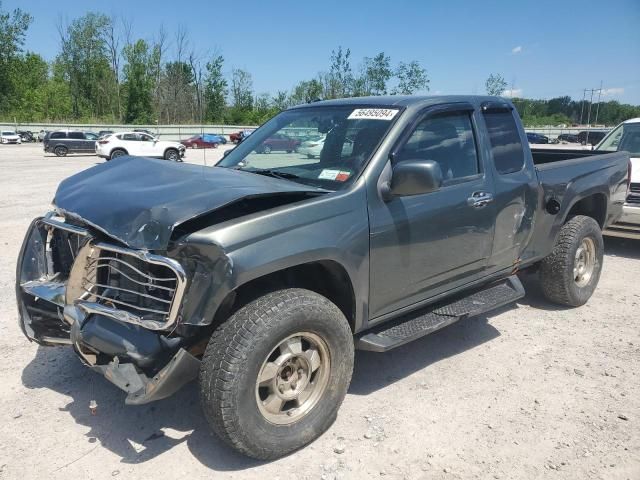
column 424, row 245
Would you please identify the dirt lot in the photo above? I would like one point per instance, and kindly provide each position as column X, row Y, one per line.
column 533, row 391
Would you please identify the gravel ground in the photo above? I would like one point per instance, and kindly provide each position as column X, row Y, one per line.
column 533, row 391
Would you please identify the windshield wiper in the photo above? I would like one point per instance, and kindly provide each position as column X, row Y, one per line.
column 274, row 173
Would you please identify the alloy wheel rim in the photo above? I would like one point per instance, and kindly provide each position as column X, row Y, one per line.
column 585, row 262
column 293, row 378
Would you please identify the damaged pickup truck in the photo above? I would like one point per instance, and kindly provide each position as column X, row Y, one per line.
column 261, row 275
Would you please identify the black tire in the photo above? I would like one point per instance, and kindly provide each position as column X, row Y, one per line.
column 61, row 151
column 118, row 152
column 172, row 154
column 557, row 277
column 234, row 358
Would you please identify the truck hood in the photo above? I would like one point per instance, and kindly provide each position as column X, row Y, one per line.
column 140, row 201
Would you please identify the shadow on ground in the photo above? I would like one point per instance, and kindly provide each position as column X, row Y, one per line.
column 622, row 247
column 135, row 433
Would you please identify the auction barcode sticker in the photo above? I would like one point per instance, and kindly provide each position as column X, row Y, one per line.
column 373, row 114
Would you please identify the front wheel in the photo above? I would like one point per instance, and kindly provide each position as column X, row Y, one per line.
column 570, row 274
column 274, row 375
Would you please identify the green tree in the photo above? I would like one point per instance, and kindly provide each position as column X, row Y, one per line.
column 241, row 89
column 280, row 101
column 376, row 73
column 306, row 91
column 28, row 98
column 338, row 83
column 138, row 82
column 411, row 78
column 13, row 29
column 85, row 59
column 215, row 90
column 495, row 84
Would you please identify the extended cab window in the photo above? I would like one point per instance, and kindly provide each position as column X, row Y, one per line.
column 76, row 135
column 506, row 147
column 446, row 139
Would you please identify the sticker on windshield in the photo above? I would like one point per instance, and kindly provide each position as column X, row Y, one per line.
column 336, row 175
column 343, row 176
column 328, row 174
column 373, row 114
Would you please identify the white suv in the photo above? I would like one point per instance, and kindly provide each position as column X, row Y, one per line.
column 626, row 136
column 138, row 144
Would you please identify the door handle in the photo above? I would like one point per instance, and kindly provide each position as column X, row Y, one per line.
column 479, row 199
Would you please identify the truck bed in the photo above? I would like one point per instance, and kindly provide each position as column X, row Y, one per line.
column 542, row 156
column 569, row 176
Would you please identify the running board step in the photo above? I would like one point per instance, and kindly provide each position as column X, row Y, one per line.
column 421, row 322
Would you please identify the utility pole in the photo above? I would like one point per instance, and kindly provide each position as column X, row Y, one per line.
column 584, row 92
column 598, row 107
column 589, row 117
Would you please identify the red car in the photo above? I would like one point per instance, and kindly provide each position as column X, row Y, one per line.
column 201, row 141
column 237, row 137
column 279, row 142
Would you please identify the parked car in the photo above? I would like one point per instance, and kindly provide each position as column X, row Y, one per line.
column 206, row 140
column 63, row 142
column 591, row 137
column 41, row 135
column 313, row 148
column 626, row 137
column 138, row 144
column 568, row 138
column 259, row 277
column 533, row 137
column 7, row 136
column 26, row 136
column 237, row 137
column 278, row 143
column 103, row 133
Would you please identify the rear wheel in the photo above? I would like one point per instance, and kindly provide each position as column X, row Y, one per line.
column 172, row 154
column 117, row 153
column 60, row 151
column 274, row 375
column 570, row 274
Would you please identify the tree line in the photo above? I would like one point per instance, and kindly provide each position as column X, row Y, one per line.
column 103, row 73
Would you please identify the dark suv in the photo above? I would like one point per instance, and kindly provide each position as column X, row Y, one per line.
column 62, row 142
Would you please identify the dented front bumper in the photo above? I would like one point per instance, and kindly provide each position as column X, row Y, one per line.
column 63, row 301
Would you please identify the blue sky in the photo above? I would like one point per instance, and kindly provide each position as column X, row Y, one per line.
column 543, row 48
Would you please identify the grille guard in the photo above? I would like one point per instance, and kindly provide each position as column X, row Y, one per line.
column 75, row 293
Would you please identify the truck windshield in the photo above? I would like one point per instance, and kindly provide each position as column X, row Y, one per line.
column 326, row 147
column 624, row 137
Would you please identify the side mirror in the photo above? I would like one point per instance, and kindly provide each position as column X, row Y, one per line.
column 413, row 177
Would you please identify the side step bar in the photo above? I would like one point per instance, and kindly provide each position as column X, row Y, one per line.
column 421, row 322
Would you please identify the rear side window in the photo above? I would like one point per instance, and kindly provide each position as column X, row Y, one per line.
column 506, row 147
column 130, row 136
column 76, row 135
column 58, row 135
